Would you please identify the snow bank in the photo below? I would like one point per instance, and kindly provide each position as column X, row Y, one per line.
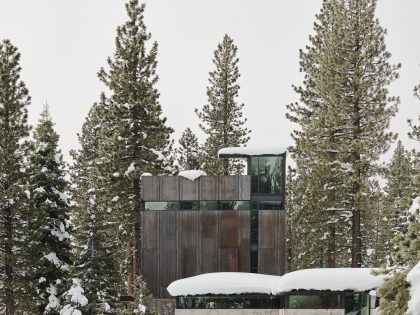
column 223, row 283
column 415, row 207
column 413, row 278
column 250, row 151
column 334, row 279
column 192, row 174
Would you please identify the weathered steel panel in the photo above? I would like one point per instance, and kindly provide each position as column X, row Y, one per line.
column 208, row 188
column 188, row 242
column 281, row 248
column 208, row 256
column 169, row 188
column 267, row 234
column 228, row 188
column 167, row 265
column 167, row 222
column 188, row 189
column 150, row 263
column 228, row 229
column 244, row 187
column 150, row 186
column 267, row 263
column 189, row 262
column 228, row 259
column 150, row 231
column 244, row 241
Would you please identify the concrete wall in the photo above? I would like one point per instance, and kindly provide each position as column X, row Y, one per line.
column 261, row 312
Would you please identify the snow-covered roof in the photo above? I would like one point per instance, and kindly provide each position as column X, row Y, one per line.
column 192, row 174
column 333, row 279
column 250, row 151
column 223, row 283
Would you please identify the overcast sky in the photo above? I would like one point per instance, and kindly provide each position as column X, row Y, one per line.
column 63, row 44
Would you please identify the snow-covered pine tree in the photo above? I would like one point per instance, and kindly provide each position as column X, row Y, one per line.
column 394, row 293
column 49, row 225
column 222, row 118
column 344, row 112
column 415, row 129
column 96, row 264
column 188, row 151
column 14, row 130
column 399, row 177
column 75, row 301
column 138, row 138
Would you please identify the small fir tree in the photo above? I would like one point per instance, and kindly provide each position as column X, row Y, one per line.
column 222, row 117
column 394, row 293
column 188, row 151
column 14, row 99
column 49, row 225
column 415, row 129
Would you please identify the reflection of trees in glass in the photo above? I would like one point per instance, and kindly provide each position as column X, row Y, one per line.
column 266, row 174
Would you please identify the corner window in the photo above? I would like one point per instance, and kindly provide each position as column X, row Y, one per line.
column 267, row 174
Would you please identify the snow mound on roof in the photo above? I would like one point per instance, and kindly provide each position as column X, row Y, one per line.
column 415, row 207
column 223, row 283
column 192, row 174
column 334, row 279
column 248, row 151
column 413, row 278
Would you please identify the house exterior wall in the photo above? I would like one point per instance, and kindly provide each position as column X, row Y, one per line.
column 183, row 243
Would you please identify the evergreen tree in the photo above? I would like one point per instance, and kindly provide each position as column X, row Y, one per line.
column 344, row 111
column 49, row 226
column 415, row 129
column 394, row 292
column 95, row 254
column 75, row 301
column 14, row 130
column 222, row 116
column 399, row 176
column 188, row 151
column 135, row 138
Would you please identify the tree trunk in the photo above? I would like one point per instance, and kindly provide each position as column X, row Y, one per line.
column 130, row 290
column 356, row 245
column 8, row 255
column 137, row 227
column 331, row 246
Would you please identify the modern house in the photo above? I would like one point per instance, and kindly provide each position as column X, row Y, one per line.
column 194, row 224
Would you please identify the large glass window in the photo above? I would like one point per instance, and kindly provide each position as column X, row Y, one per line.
column 356, row 302
column 323, row 300
column 229, row 302
column 198, row 205
column 161, row 205
column 267, row 174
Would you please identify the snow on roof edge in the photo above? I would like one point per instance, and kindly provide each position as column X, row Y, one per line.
column 250, row 151
column 192, row 174
column 321, row 279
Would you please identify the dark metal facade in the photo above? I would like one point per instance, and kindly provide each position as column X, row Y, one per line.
column 183, row 243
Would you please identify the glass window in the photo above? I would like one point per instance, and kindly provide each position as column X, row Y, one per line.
column 267, row 174
column 234, row 205
column 229, row 302
column 356, row 302
column 190, row 205
column 270, row 205
column 161, row 205
column 316, row 300
column 209, row 205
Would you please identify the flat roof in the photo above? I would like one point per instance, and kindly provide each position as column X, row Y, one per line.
column 319, row 279
column 242, row 152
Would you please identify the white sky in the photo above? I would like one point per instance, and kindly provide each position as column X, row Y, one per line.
column 64, row 43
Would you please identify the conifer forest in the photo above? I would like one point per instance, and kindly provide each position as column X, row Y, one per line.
column 70, row 229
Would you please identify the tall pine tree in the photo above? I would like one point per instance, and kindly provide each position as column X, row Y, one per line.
column 136, row 138
column 96, row 262
column 14, row 129
column 188, row 151
column 222, row 117
column 343, row 114
column 49, row 224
